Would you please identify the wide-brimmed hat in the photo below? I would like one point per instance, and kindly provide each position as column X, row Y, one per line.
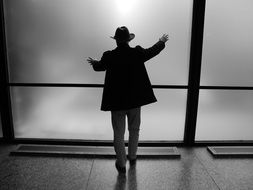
column 122, row 35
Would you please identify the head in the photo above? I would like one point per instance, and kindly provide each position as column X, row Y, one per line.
column 122, row 36
column 120, row 43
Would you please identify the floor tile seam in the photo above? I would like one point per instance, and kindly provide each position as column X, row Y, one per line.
column 206, row 169
column 87, row 184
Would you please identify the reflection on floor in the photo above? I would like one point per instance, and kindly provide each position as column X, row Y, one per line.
column 196, row 169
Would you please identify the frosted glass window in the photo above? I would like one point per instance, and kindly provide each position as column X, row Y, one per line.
column 225, row 115
column 74, row 113
column 49, row 41
column 61, row 113
column 165, row 119
column 228, row 43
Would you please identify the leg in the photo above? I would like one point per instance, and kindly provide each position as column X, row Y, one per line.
column 118, row 124
column 134, row 121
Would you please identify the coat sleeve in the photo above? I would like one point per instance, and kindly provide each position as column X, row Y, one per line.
column 102, row 64
column 151, row 52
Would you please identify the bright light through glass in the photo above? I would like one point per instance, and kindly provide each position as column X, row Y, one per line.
column 125, row 6
column 49, row 41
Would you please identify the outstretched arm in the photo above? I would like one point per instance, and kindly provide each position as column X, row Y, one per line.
column 155, row 49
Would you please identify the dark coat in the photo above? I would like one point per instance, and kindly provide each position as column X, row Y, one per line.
column 127, row 84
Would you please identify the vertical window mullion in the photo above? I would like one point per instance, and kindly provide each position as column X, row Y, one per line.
column 5, row 104
column 194, row 70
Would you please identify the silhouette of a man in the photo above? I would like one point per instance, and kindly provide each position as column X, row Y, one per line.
column 126, row 88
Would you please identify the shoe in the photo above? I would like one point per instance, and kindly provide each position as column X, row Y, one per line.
column 120, row 169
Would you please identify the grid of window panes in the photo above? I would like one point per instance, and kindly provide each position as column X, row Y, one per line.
column 49, row 42
column 227, row 61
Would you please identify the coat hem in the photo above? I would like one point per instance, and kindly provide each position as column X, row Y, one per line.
column 126, row 108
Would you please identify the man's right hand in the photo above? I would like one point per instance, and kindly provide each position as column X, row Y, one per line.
column 93, row 62
column 164, row 38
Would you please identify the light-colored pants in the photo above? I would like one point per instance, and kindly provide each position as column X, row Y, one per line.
column 118, row 124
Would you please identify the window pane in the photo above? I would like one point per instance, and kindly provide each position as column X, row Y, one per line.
column 74, row 113
column 225, row 115
column 49, row 41
column 63, row 113
column 165, row 119
column 228, row 43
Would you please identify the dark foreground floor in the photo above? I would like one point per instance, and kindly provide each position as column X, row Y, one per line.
column 195, row 170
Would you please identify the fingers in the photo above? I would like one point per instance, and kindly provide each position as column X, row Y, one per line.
column 89, row 61
column 164, row 38
column 92, row 61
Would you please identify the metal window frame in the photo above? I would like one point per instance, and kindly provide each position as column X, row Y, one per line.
column 198, row 18
column 5, row 103
column 193, row 88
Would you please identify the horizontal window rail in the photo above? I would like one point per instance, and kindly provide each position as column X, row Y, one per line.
column 93, row 142
column 224, row 143
column 226, row 87
column 141, row 143
column 154, row 86
column 86, row 85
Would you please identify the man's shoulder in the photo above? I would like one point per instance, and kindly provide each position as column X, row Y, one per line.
column 107, row 53
column 138, row 47
column 138, row 50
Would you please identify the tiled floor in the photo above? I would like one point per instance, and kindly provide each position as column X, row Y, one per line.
column 195, row 170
